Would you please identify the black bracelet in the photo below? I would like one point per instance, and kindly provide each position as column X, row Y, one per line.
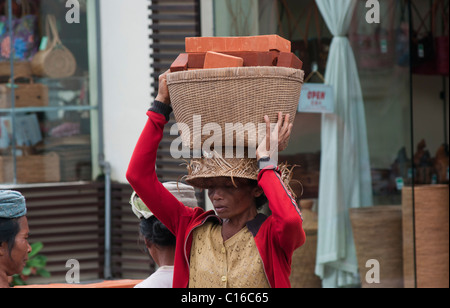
column 161, row 108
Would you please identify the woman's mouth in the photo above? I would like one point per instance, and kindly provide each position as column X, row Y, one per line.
column 220, row 209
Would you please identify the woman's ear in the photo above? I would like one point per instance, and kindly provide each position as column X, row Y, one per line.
column 257, row 192
column 3, row 249
column 147, row 243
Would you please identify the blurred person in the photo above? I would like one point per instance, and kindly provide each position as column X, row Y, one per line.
column 14, row 248
column 159, row 241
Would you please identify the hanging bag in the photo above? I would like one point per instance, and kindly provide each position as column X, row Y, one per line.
column 373, row 50
column 23, row 30
column 314, row 50
column 402, row 37
column 55, row 61
column 441, row 41
column 319, row 47
column 422, row 43
column 24, row 39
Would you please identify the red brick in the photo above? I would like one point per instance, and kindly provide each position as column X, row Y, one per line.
column 247, row 43
column 253, row 58
column 220, row 60
column 288, row 59
column 180, row 64
column 196, row 60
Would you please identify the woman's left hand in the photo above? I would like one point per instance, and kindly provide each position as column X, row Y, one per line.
column 277, row 140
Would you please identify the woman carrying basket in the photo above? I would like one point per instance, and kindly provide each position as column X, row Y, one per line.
column 233, row 246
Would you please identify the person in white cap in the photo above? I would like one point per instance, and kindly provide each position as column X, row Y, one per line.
column 14, row 247
column 159, row 241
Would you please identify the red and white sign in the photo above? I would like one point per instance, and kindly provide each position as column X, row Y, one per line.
column 316, row 98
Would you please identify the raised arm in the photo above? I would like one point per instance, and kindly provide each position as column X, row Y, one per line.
column 141, row 173
column 286, row 216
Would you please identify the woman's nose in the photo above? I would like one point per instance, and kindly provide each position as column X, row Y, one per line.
column 215, row 194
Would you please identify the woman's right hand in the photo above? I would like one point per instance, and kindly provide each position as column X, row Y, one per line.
column 163, row 92
column 276, row 140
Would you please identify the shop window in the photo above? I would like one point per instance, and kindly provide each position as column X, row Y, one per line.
column 402, row 104
column 48, row 115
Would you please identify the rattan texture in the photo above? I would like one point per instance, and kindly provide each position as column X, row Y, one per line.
column 427, row 249
column 241, row 95
column 377, row 232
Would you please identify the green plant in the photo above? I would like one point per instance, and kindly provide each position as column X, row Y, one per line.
column 35, row 266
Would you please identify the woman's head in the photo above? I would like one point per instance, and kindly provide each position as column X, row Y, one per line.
column 159, row 240
column 14, row 247
column 233, row 197
column 155, row 233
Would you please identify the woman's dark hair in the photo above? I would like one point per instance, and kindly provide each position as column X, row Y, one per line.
column 9, row 228
column 261, row 200
column 155, row 232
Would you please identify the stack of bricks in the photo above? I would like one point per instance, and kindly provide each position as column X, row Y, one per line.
column 221, row 52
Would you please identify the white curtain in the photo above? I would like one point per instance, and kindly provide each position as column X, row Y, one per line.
column 345, row 179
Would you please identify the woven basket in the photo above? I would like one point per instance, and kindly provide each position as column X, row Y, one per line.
column 377, row 232
column 201, row 170
column 21, row 68
column 56, row 61
column 304, row 258
column 31, row 169
column 431, row 223
column 27, row 95
column 408, row 238
column 233, row 95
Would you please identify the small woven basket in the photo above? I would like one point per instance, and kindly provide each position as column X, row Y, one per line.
column 56, row 61
column 426, row 236
column 238, row 95
column 377, row 232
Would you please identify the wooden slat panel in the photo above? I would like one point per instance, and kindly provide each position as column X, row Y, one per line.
column 172, row 22
column 129, row 258
column 68, row 219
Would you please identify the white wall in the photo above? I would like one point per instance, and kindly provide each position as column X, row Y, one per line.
column 126, row 78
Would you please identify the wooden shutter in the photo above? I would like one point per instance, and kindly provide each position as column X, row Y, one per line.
column 69, row 220
column 172, row 21
column 129, row 256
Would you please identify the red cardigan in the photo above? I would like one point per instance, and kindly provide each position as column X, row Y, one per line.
column 276, row 236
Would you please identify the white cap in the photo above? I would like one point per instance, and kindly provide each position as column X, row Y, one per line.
column 184, row 193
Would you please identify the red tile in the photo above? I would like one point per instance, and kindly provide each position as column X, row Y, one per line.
column 248, row 43
column 288, row 59
column 180, row 64
column 219, row 60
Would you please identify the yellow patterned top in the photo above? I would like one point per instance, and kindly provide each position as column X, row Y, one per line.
column 235, row 263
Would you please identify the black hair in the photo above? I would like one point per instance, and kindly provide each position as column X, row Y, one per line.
column 155, row 232
column 261, row 200
column 9, row 228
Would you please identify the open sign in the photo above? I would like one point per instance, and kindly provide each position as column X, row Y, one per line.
column 316, row 98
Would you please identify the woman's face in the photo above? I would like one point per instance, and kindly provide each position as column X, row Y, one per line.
column 15, row 262
column 230, row 201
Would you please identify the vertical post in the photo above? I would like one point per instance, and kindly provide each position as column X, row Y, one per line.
column 107, row 267
column 13, row 91
column 411, row 107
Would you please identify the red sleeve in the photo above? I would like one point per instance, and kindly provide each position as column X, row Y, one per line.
column 286, row 216
column 141, row 174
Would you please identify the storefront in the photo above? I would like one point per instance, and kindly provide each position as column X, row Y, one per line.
column 387, row 132
column 70, row 136
column 70, row 81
